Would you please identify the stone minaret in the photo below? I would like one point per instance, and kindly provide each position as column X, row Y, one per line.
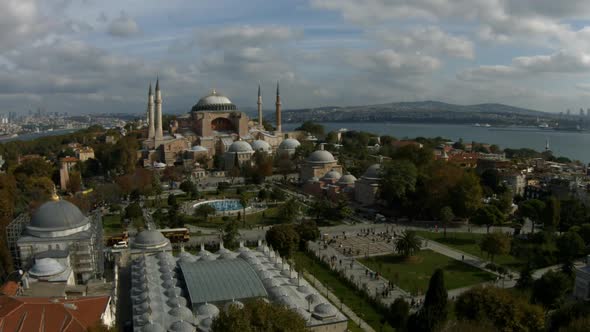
column 259, row 102
column 278, row 109
column 150, row 110
column 159, row 134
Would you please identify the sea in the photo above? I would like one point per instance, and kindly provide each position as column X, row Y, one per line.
column 571, row 144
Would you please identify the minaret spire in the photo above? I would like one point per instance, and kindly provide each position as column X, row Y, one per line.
column 259, row 102
column 278, row 109
column 159, row 132
column 150, row 110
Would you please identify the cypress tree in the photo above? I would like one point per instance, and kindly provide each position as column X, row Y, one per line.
column 434, row 310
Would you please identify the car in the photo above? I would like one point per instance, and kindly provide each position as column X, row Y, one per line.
column 120, row 245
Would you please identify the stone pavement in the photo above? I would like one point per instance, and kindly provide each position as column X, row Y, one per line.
column 334, row 299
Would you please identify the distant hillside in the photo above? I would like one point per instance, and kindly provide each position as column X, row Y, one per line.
column 423, row 111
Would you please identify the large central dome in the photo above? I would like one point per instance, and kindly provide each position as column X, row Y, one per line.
column 214, row 102
column 57, row 218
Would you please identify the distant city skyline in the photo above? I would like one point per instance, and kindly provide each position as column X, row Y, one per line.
column 100, row 56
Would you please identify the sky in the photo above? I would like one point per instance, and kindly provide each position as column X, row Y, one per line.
column 85, row 56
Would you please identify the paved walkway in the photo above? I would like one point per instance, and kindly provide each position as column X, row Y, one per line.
column 334, row 299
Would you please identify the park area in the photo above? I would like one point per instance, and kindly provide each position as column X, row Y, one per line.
column 413, row 274
column 469, row 243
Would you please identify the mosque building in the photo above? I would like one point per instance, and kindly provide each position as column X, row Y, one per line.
column 367, row 187
column 57, row 243
column 318, row 164
column 187, row 292
column 212, row 125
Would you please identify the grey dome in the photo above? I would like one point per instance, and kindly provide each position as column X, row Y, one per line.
column 314, row 298
column 240, row 146
column 56, row 216
column 176, row 301
column 347, row 179
column 150, row 239
column 153, row 327
column 324, row 311
column 260, row 145
column 303, row 313
column 208, row 309
column 289, row 144
column 183, row 313
column 373, row 172
column 182, row 326
column 320, row 157
column 332, row 175
column 46, row 267
column 214, row 102
column 234, row 304
column 304, row 289
column 205, row 324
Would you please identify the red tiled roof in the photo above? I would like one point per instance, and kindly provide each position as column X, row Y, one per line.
column 9, row 288
column 23, row 314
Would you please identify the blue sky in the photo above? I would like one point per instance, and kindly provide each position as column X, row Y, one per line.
column 85, row 56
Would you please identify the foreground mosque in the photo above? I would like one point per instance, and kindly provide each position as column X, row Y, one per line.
column 210, row 128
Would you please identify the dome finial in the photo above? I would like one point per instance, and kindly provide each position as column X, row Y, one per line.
column 213, row 92
column 54, row 196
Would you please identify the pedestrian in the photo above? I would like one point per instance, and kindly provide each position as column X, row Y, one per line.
column 462, row 257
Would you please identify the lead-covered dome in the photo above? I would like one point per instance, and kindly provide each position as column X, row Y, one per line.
column 320, row 157
column 46, row 267
column 150, row 239
column 332, row 175
column 240, row 146
column 260, row 145
column 347, row 179
column 373, row 172
column 289, row 144
column 214, row 102
column 57, row 218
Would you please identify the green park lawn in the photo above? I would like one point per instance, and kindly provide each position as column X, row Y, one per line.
column 262, row 218
column 469, row 243
column 111, row 224
column 344, row 292
column 413, row 274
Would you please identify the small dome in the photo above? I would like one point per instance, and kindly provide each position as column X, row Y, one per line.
column 289, row 144
column 304, row 289
column 56, row 216
column 303, row 313
column 288, row 302
column 150, row 239
column 373, row 172
column 152, row 327
column 182, row 326
column 325, row 309
column 347, row 179
column 320, row 157
column 208, row 309
column 46, row 267
column 173, row 292
column 240, row 146
column 233, row 304
column 332, row 175
column 271, row 283
column 264, row 274
column 314, row 299
column 198, row 148
column 205, row 324
column 183, row 313
column 176, row 301
column 260, row 145
column 278, row 291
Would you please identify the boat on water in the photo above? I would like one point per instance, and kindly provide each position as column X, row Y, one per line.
column 486, row 125
column 7, row 136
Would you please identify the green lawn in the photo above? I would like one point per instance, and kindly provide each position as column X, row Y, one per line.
column 413, row 274
column 266, row 217
column 469, row 243
column 348, row 295
column 111, row 224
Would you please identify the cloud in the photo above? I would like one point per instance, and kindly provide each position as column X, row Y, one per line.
column 123, row 26
column 390, row 62
column 431, row 40
column 562, row 62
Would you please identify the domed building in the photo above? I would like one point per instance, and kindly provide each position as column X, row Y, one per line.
column 367, row 187
column 58, row 231
column 238, row 154
column 150, row 240
column 262, row 146
column 318, row 164
column 288, row 147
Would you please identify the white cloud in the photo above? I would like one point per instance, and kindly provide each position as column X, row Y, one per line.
column 390, row 62
column 123, row 26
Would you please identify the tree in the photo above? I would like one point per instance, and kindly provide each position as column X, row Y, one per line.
column 172, row 200
column 525, row 279
column 289, row 210
column 397, row 180
column 570, row 245
column 498, row 306
column 244, row 199
column 133, row 211
column 308, row 231
column 399, row 312
column 408, row 243
column 551, row 214
column 189, row 188
column 550, row 289
column 446, row 216
column 466, row 195
column 491, row 179
column 487, row 215
column 230, row 236
column 564, row 316
column 204, row 211
column 585, row 233
column 434, row 310
column 259, row 315
column 495, row 243
column 313, row 128
column 532, row 209
column 283, row 238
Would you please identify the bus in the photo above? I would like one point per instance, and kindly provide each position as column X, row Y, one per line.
column 176, row 235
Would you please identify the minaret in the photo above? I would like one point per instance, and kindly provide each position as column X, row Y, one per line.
column 150, row 110
column 259, row 108
column 159, row 134
column 278, row 109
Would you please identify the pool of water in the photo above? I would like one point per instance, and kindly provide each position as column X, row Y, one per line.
column 223, row 205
